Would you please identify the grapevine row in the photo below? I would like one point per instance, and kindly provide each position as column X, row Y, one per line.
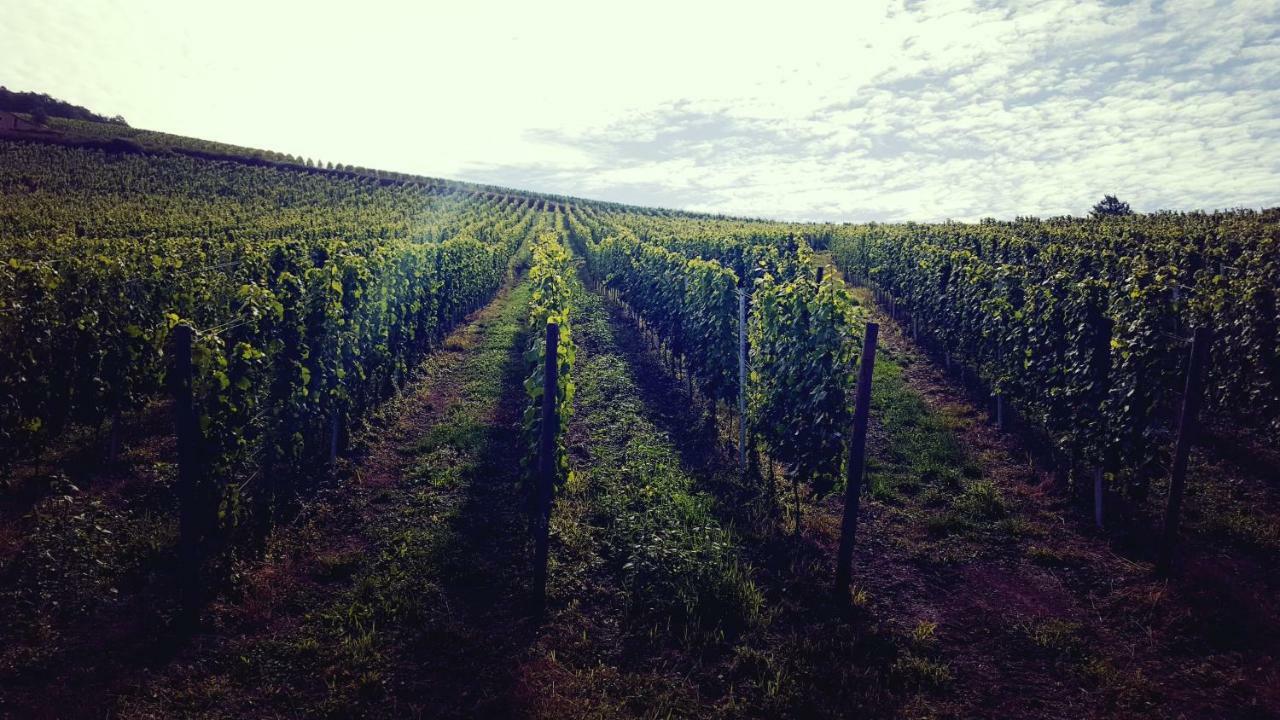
column 801, row 334
column 1083, row 325
column 106, row 254
column 549, row 303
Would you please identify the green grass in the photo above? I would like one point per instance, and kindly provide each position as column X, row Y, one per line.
column 920, row 673
column 920, row 473
column 916, row 448
column 655, row 531
column 1053, row 557
column 426, row 557
column 1054, row 635
column 440, row 589
column 640, row 518
column 420, row 539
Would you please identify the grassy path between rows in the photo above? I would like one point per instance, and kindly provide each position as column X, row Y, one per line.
column 1032, row 612
column 400, row 594
column 979, row 592
column 644, row 580
column 676, row 589
column 803, row 655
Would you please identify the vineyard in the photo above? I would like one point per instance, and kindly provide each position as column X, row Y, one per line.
column 1086, row 326
column 285, row 439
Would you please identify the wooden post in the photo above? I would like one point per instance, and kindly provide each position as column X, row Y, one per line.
column 998, row 396
column 190, row 513
column 821, row 269
column 546, row 465
column 113, row 438
column 334, row 425
column 857, row 459
column 742, row 379
column 1097, row 497
column 1187, row 430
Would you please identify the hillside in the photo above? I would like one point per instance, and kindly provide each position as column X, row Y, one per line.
column 77, row 131
column 277, row 442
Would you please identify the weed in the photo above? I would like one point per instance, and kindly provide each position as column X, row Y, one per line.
column 1054, row 557
column 337, row 566
column 1058, row 636
column 913, row 671
column 923, row 633
column 1128, row 689
column 1242, row 527
column 981, row 501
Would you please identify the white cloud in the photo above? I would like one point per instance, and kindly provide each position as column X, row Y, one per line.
column 815, row 110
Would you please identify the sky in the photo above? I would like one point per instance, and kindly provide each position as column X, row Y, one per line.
column 835, row 111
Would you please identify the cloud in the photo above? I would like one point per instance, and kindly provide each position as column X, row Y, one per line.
column 825, row 111
column 1038, row 109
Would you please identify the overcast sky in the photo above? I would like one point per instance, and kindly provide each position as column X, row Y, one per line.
column 852, row 110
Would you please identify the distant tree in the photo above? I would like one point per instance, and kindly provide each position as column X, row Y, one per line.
column 29, row 102
column 39, row 115
column 1110, row 206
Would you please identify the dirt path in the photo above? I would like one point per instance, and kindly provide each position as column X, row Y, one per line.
column 644, row 582
column 400, row 592
column 981, row 592
column 1036, row 614
column 676, row 589
column 807, row 656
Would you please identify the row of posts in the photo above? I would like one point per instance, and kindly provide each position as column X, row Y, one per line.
column 546, row 470
column 1187, row 433
column 192, row 523
column 855, row 466
column 196, row 507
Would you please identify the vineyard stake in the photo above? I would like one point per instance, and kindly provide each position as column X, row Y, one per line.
column 857, row 459
column 546, row 465
column 187, row 429
column 113, row 439
column 742, row 379
column 1097, row 497
column 333, row 438
column 1187, row 431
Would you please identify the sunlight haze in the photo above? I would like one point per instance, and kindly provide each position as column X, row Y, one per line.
column 810, row 111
